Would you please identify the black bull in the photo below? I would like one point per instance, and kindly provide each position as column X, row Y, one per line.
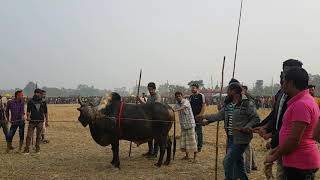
column 139, row 124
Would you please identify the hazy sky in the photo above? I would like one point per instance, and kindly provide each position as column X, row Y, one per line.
column 105, row 42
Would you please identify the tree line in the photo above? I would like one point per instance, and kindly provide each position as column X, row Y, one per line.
column 165, row 89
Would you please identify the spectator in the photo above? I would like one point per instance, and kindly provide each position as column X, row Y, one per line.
column 239, row 116
column 271, row 125
column 188, row 143
column 3, row 120
column 250, row 157
column 36, row 111
column 198, row 104
column 46, row 124
column 312, row 90
column 298, row 149
column 15, row 112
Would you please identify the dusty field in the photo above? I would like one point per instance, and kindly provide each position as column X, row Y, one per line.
column 72, row 154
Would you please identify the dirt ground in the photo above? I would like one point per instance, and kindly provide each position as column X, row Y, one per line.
column 72, row 154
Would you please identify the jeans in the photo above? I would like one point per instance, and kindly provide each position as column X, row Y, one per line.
column 199, row 135
column 13, row 130
column 233, row 162
column 153, row 147
column 4, row 126
column 293, row 174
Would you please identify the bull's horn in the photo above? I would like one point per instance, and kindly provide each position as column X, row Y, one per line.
column 80, row 101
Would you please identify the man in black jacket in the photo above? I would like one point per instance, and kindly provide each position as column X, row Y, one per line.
column 270, row 127
column 36, row 111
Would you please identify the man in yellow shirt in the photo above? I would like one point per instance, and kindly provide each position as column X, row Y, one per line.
column 312, row 90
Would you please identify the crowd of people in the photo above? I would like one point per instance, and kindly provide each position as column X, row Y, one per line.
column 292, row 128
column 36, row 115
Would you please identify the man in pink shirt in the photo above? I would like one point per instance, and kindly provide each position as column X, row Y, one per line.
column 298, row 149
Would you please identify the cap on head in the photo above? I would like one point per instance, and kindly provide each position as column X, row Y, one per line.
column 233, row 81
column 235, row 87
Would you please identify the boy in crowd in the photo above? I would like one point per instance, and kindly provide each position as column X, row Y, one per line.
column 188, row 143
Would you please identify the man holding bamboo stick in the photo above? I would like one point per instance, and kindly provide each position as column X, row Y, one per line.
column 239, row 116
column 153, row 98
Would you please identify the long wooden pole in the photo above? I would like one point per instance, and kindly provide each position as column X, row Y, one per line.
column 236, row 51
column 218, row 124
column 138, row 92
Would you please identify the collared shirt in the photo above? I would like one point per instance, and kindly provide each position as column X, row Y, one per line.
column 154, row 98
column 186, row 116
column 17, row 112
column 281, row 105
column 301, row 108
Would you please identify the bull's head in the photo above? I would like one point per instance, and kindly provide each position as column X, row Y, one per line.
column 87, row 113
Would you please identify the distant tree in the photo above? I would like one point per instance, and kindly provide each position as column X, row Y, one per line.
column 164, row 89
column 258, row 89
column 199, row 82
column 122, row 91
column 143, row 89
column 174, row 88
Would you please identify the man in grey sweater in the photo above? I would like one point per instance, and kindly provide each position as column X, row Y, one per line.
column 239, row 116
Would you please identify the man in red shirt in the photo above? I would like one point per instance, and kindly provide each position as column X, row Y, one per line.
column 298, row 149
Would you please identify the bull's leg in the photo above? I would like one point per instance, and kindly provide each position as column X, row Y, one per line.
column 162, row 143
column 169, row 148
column 115, row 151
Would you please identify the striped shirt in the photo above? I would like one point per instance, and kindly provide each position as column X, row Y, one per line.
column 186, row 116
column 229, row 110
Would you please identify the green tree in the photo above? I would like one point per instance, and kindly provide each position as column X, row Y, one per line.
column 199, row 82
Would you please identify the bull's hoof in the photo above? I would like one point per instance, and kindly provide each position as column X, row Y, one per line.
column 112, row 162
column 167, row 163
column 158, row 165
